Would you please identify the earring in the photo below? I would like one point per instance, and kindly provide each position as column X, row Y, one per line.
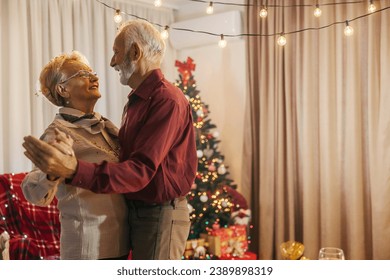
column 67, row 102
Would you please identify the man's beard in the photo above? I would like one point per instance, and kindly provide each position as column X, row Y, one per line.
column 126, row 70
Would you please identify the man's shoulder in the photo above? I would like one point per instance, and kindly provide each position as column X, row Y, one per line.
column 167, row 90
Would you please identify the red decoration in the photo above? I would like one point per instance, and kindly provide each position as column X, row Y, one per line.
column 33, row 231
column 216, row 226
column 232, row 236
column 185, row 69
column 237, row 198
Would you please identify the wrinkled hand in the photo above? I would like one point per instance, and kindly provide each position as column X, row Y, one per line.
column 49, row 159
column 62, row 142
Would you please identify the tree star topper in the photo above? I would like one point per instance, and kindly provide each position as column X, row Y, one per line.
column 185, row 69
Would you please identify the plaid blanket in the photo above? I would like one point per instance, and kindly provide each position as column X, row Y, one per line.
column 34, row 231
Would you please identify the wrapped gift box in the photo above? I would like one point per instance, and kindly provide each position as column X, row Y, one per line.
column 246, row 256
column 194, row 246
column 231, row 240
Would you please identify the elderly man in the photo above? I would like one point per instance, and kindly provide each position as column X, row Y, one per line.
column 158, row 159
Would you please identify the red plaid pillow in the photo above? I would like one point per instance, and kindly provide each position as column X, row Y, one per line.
column 34, row 231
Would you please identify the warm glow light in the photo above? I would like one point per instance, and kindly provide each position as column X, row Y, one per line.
column 371, row 7
column 165, row 33
column 157, row 3
column 222, row 43
column 317, row 11
column 210, row 9
column 117, row 16
column 282, row 40
column 348, row 30
column 263, row 12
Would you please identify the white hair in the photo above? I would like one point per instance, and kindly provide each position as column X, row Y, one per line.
column 146, row 36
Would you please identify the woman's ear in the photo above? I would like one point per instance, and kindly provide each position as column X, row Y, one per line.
column 61, row 90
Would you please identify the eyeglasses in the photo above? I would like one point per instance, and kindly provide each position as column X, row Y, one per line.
column 82, row 74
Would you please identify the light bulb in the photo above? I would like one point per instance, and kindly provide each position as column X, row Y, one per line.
column 222, row 43
column 348, row 30
column 263, row 12
column 165, row 33
column 282, row 40
column 157, row 3
column 210, row 9
column 371, row 7
column 117, row 16
column 317, row 11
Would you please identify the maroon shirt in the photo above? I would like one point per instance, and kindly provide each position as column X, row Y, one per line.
column 158, row 159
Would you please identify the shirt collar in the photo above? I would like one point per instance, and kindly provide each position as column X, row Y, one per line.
column 71, row 111
column 145, row 89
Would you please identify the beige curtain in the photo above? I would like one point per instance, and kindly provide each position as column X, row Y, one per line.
column 320, row 126
column 33, row 32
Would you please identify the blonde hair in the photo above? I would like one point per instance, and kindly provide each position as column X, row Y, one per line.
column 51, row 75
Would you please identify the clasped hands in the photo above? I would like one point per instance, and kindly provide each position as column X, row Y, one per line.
column 55, row 158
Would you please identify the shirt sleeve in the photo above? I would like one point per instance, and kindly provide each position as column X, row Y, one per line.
column 37, row 189
column 162, row 127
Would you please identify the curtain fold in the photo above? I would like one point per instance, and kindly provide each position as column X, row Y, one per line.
column 34, row 31
column 320, row 130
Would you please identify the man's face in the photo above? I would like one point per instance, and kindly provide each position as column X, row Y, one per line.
column 121, row 61
column 126, row 69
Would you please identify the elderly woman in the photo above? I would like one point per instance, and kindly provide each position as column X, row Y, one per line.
column 93, row 226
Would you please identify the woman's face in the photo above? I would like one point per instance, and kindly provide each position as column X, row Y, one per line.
column 80, row 83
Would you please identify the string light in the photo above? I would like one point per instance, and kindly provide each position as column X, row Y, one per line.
column 263, row 12
column 282, row 40
column 371, row 7
column 117, row 16
column 348, row 30
column 165, row 33
column 222, row 42
column 317, row 11
column 157, row 3
column 210, row 9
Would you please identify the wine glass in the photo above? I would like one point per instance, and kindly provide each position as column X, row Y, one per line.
column 330, row 253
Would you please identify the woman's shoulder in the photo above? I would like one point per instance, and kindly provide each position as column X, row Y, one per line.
column 59, row 124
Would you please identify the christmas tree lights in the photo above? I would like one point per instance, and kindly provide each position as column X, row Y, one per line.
column 210, row 199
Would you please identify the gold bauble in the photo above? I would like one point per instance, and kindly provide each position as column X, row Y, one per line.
column 292, row 250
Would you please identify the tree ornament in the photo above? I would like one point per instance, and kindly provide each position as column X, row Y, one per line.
column 203, row 198
column 208, row 152
column 212, row 167
column 216, row 226
column 199, row 113
column 185, row 69
column 221, row 169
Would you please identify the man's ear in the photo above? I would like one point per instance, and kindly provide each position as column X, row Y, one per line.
column 135, row 52
column 61, row 90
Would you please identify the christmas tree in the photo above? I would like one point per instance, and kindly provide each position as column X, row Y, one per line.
column 213, row 197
